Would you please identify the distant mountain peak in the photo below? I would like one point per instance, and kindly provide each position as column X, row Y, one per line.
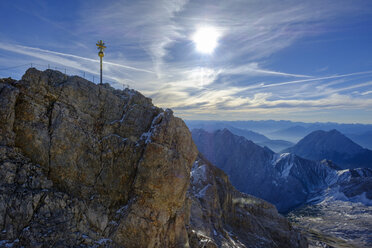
column 332, row 145
column 331, row 140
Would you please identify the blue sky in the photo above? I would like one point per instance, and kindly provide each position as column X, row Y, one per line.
column 293, row 60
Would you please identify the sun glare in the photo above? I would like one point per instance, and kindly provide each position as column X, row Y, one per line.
column 206, row 39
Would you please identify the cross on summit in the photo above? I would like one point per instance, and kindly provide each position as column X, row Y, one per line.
column 101, row 46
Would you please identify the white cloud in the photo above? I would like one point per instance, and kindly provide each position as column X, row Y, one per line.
column 150, row 48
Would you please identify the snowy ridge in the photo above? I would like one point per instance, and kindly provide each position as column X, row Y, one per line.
column 279, row 156
column 347, row 185
column 198, row 173
column 283, row 163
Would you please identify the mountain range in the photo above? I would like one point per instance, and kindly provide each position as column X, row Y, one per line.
column 297, row 185
column 285, row 180
column 256, row 137
column 290, row 131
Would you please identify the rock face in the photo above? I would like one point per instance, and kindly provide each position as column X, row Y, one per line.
column 285, row 180
column 111, row 157
column 85, row 165
column 335, row 146
column 221, row 216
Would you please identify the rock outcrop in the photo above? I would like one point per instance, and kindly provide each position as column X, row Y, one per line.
column 221, row 216
column 85, row 165
column 106, row 161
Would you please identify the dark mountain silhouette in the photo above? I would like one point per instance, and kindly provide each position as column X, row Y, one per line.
column 288, row 130
column 256, row 137
column 335, row 146
column 262, row 140
column 363, row 139
column 293, row 133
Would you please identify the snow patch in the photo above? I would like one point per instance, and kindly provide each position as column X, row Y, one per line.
column 287, row 168
column 103, row 241
column 202, row 193
column 198, row 174
column 8, row 243
column 344, row 176
column 115, row 135
column 122, row 209
column 277, row 157
column 147, row 135
column 334, row 194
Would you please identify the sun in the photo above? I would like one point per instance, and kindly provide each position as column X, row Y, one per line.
column 206, row 39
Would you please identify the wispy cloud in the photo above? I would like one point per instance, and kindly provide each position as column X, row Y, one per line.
column 150, row 46
column 148, row 24
column 253, row 69
column 43, row 53
column 366, row 93
column 317, row 79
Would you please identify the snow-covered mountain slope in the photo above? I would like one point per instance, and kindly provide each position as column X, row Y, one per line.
column 285, row 180
column 342, row 213
column 335, row 219
column 335, row 202
column 351, row 185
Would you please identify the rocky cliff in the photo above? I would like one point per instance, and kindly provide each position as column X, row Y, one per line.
column 85, row 165
column 221, row 216
column 104, row 164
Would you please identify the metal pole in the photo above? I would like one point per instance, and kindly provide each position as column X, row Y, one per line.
column 101, row 69
column 101, row 46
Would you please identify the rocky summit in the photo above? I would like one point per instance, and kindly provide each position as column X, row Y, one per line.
column 85, row 165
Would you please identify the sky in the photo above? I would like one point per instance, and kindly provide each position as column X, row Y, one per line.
column 282, row 60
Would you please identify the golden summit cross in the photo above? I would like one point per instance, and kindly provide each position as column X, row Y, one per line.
column 101, row 46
